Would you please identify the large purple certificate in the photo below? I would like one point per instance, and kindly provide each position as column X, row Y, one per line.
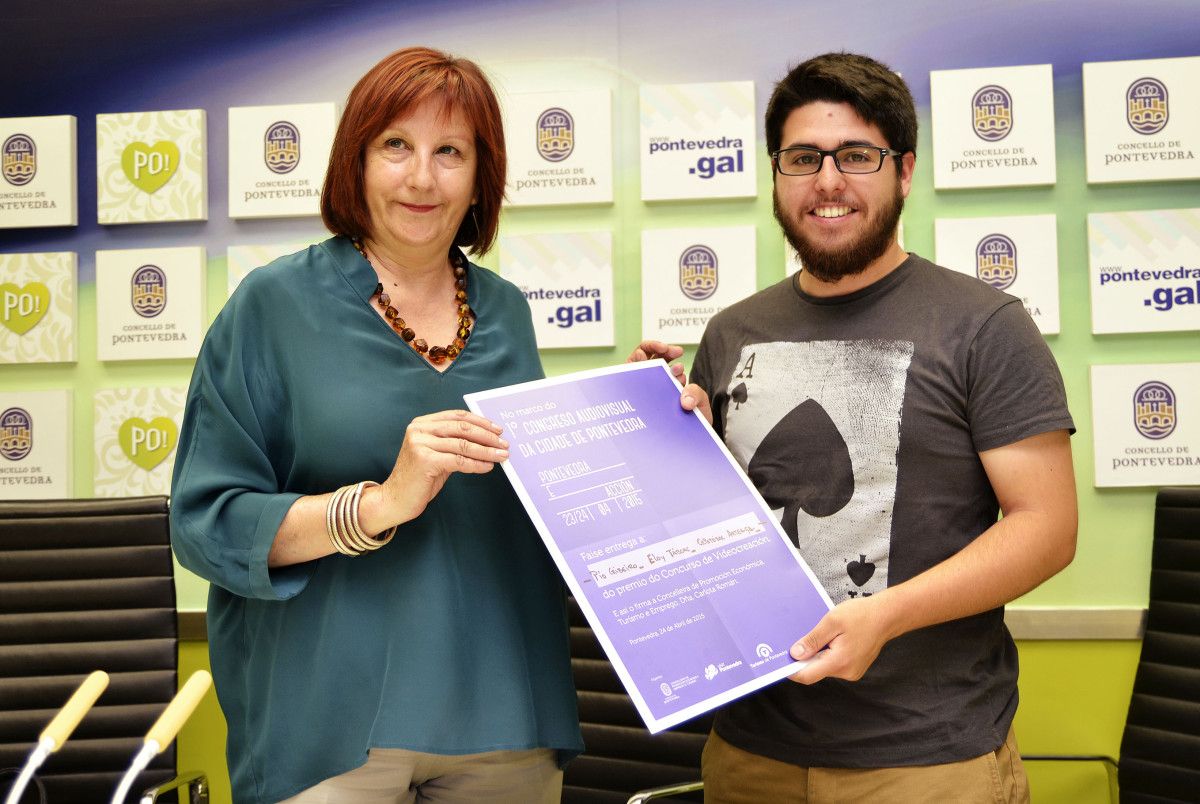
column 685, row 575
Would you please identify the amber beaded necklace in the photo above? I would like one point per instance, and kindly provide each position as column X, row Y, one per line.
column 466, row 316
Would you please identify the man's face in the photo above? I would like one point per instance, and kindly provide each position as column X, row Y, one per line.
column 839, row 223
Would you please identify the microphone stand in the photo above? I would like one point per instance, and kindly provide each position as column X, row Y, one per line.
column 59, row 729
column 164, row 729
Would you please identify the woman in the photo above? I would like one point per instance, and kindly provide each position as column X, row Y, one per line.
column 407, row 639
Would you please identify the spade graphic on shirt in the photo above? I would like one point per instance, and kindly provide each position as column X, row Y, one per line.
column 803, row 464
column 738, row 395
column 860, row 572
column 819, row 435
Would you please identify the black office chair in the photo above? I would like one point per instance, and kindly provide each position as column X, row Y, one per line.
column 88, row 585
column 622, row 756
column 1160, row 749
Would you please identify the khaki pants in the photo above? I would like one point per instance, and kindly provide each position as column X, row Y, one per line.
column 734, row 776
column 396, row 776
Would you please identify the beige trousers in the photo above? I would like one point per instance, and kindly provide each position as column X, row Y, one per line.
column 734, row 776
column 396, row 776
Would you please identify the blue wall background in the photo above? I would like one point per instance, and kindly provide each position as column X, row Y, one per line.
column 141, row 55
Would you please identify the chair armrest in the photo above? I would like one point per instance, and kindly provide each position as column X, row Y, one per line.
column 196, row 783
column 642, row 796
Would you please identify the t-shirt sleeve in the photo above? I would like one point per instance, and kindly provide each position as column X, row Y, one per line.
column 226, row 501
column 1015, row 389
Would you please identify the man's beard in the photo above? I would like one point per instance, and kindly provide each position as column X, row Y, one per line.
column 831, row 265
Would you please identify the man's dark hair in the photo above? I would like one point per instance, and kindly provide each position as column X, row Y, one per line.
column 878, row 95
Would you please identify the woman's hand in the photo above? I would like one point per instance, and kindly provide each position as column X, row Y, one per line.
column 650, row 350
column 434, row 446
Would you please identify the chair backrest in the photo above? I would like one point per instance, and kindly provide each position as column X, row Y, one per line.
column 622, row 757
column 86, row 585
column 1160, row 749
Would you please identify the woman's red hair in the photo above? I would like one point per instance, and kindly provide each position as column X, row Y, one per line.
column 390, row 89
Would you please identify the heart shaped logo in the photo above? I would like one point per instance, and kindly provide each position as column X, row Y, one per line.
column 150, row 167
column 22, row 308
column 147, row 443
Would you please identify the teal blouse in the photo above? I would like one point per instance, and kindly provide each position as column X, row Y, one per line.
column 450, row 640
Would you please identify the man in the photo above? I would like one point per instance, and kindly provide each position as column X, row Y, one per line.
column 886, row 408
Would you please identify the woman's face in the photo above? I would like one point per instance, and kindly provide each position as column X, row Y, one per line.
column 419, row 180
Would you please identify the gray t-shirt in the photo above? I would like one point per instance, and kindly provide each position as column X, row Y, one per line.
column 860, row 419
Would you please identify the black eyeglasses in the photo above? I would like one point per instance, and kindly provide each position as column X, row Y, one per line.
column 804, row 161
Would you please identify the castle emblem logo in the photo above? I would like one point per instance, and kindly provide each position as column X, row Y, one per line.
column 148, row 291
column 1146, row 108
column 16, row 434
column 555, row 134
column 698, row 272
column 992, row 113
column 1154, row 412
column 996, row 261
column 281, row 147
column 18, row 159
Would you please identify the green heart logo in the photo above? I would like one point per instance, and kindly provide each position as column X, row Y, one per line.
column 22, row 308
column 147, row 443
column 150, row 167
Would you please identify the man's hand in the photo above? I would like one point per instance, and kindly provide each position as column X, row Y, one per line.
column 650, row 350
column 695, row 398
column 845, row 642
column 1034, row 482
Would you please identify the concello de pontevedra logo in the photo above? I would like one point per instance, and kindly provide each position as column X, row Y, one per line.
column 16, row 433
column 996, row 261
column 148, row 291
column 992, row 113
column 1154, row 411
column 18, row 159
column 555, row 134
column 698, row 272
column 281, row 147
column 1146, row 107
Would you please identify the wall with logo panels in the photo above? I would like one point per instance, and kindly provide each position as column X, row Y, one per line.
column 649, row 63
column 226, row 68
